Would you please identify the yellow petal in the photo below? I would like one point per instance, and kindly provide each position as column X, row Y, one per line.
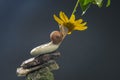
column 69, row 32
column 83, row 24
column 63, row 17
column 79, row 21
column 72, row 18
column 59, row 21
column 80, row 28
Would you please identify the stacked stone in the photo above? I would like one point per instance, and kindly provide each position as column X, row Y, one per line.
column 40, row 67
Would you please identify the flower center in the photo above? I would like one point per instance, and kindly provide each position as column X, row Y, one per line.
column 70, row 26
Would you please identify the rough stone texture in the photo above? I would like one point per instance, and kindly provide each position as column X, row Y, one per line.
column 40, row 60
column 43, row 74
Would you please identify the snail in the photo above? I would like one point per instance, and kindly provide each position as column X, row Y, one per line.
column 56, row 38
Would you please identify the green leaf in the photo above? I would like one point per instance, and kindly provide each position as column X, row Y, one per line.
column 99, row 3
column 87, row 2
column 84, row 4
column 108, row 3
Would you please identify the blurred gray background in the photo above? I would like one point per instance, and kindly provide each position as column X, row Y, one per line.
column 89, row 55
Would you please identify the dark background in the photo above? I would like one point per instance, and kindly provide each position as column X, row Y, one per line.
column 89, row 55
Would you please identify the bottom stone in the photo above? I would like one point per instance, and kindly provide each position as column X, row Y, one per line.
column 43, row 73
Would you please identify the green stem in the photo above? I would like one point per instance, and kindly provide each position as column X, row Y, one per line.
column 75, row 8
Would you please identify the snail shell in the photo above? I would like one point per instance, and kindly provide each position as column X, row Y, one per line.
column 56, row 37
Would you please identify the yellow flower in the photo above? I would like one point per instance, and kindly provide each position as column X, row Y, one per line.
column 71, row 23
